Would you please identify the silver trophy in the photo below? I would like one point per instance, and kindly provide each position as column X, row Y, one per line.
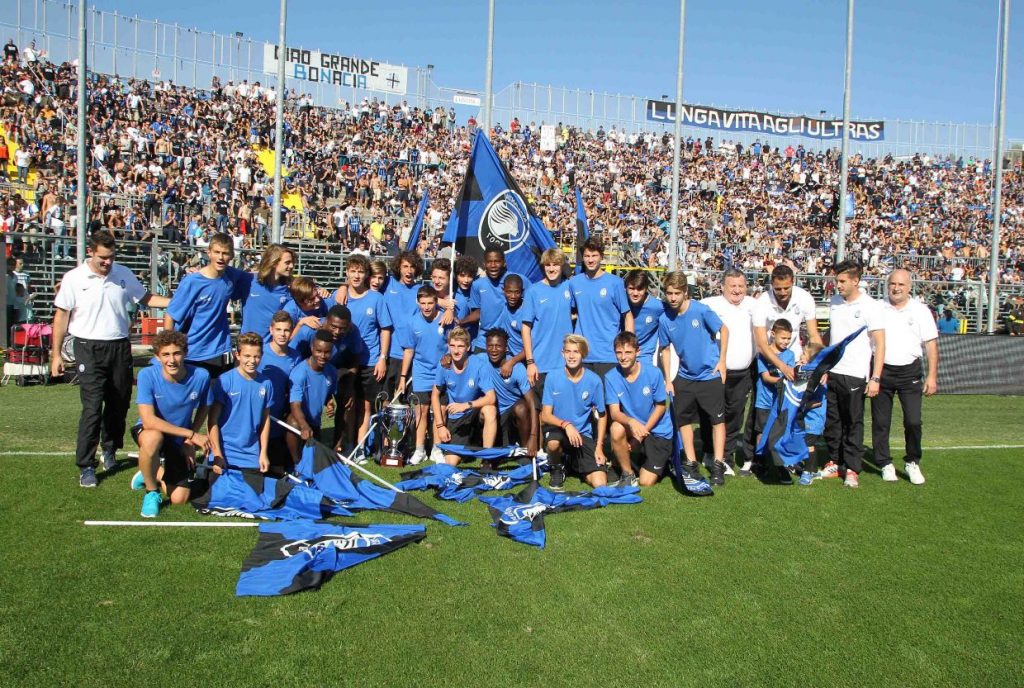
column 396, row 419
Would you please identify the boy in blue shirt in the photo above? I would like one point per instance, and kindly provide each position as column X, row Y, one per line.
column 572, row 396
column 423, row 344
column 199, row 307
column 306, row 306
column 699, row 387
column 313, row 383
column 276, row 365
column 467, row 385
column 173, row 399
column 511, row 318
column 638, row 408
column 517, row 409
column 402, row 299
column 487, row 299
column 466, row 270
column 601, row 304
column 240, row 415
column 646, row 310
column 547, row 309
column 768, row 378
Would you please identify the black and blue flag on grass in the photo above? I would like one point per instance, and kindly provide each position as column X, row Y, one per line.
column 463, row 484
column 251, row 495
column 696, row 485
column 303, row 555
column 582, row 230
column 493, row 213
column 521, row 516
column 417, row 225
column 784, row 437
column 328, row 474
column 467, row 451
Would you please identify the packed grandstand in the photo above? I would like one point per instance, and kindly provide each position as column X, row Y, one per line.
column 179, row 164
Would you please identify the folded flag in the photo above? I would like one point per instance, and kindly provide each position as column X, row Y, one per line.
column 785, row 437
column 327, row 473
column 252, row 495
column 461, row 484
column 483, row 453
column 303, row 555
column 521, row 516
column 698, row 486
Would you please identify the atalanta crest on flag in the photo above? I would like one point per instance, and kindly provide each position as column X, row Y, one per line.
column 505, row 224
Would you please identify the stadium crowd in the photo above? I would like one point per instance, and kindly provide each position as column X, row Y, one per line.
column 184, row 164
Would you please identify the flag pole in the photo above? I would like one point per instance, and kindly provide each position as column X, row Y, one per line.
column 488, row 85
column 997, row 184
column 176, row 524
column 80, row 192
column 844, row 162
column 344, row 459
column 673, row 236
column 282, row 57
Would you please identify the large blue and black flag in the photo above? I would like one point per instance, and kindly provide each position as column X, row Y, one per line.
column 492, row 212
column 463, row 484
column 521, row 516
column 251, row 495
column 582, row 230
column 326, row 472
column 417, row 224
column 784, row 435
column 303, row 555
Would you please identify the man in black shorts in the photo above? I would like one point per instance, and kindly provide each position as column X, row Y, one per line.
column 517, row 412
column 638, row 407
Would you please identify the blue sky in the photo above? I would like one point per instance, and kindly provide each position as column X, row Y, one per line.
column 913, row 59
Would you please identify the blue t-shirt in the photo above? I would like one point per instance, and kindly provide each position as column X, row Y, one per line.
column 462, row 309
column 347, row 350
column 512, row 323
column 429, row 342
column 765, row 397
column 600, row 304
column 548, row 309
column 370, row 315
column 312, row 389
column 174, row 402
column 692, row 333
column 276, row 369
column 508, row 390
column 645, row 323
column 292, row 309
column 487, row 295
column 574, row 401
column 401, row 302
column 259, row 303
column 814, row 421
column 473, row 382
column 637, row 399
column 199, row 309
column 241, row 416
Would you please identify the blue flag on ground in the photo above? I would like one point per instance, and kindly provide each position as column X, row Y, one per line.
column 326, row 472
column 582, row 230
column 303, row 555
column 253, row 495
column 483, row 453
column 492, row 212
column 417, row 224
column 784, row 435
column 521, row 516
column 462, row 484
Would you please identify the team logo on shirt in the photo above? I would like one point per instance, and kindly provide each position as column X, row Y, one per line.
column 193, row 396
column 263, row 392
column 505, row 223
column 471, row 383
column 649, row 319
column 566, row 294
column 369, row 311
column 695, row 323
column 647, row 391
column 515, row 323
column 603, row 292
column 856, row 315
column 122, row 284
column 440, row 329
column 586, row 395
column 282, row 300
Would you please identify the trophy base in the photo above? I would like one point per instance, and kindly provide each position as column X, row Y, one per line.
column 392, row 460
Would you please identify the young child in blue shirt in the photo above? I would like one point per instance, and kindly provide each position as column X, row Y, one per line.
column 240, row 415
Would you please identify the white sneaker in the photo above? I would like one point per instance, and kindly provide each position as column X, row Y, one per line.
column 914, row 473
column 417, row 456
column 436, row 455
column 729, row 471
column 889, row 473
column 747, row 469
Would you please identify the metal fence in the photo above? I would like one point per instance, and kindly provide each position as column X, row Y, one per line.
column 130, row 46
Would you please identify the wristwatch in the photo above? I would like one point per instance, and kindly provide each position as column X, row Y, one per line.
column 876, row 379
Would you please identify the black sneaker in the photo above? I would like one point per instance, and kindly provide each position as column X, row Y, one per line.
column 784, row 476
column 627, row 480
column 109, row 461
column 88, row 478
column 693, row 469
column 718, row 473
column 557, row 482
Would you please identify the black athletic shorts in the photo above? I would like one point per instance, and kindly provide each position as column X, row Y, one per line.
column 538, row 391
column 466, row 428
column 280, row 457
column 367, row 386
column 508, row 429
column 600, row 368
column 176, row 471
column 693, row 396
column 216, row 366
column 656, row 453
column 760, row 418
column 581, row 460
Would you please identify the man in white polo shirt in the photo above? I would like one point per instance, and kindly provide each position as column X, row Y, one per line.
column 736, row 310
column 856, row 375
column 910, row 332
column 784, row 300
column 92, row 306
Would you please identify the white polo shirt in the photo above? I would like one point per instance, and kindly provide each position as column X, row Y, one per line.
column 739, row 319
column 799, row 310
column 845, row 319
column 98, row 305
column 906, row 330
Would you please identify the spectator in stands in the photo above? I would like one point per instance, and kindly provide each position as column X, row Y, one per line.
column 948, row 324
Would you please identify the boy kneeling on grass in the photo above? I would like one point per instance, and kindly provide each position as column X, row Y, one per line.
column 173, row 399
column 571, row 397
column 471, row 398
column 240, row 415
